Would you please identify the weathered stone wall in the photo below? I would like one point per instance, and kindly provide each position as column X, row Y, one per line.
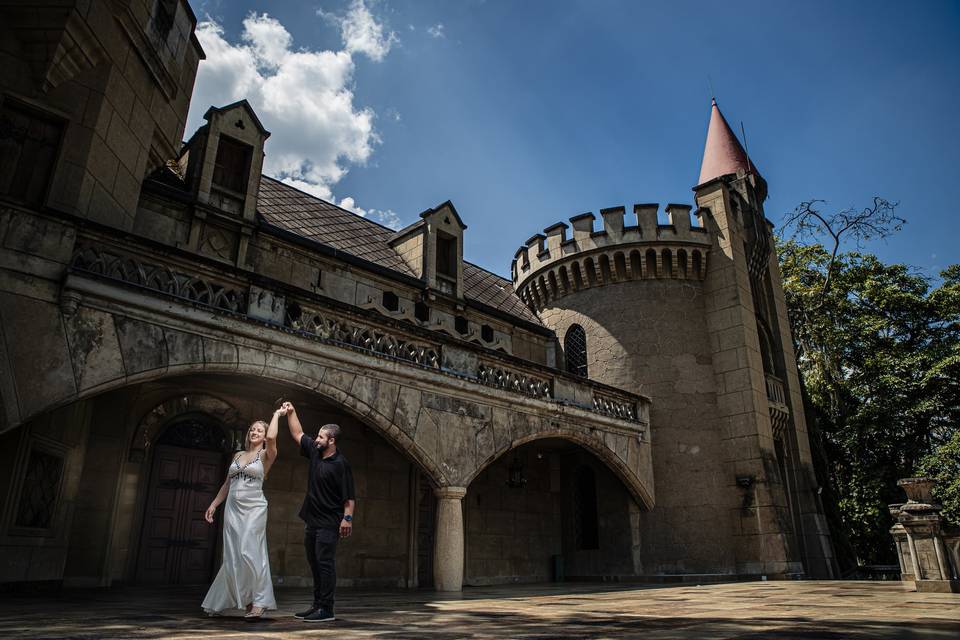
column 89, row 560
column 621, row 548
column 649, row 336
column 40, row 555
column 762, row 531
column 512, row 533
column 124, row 92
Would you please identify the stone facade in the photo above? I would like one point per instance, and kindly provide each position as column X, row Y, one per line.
column 694, row 317
column 155, row 300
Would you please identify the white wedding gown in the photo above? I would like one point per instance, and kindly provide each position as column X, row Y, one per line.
column 244, row 576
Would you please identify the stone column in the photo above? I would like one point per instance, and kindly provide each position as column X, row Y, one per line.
column 448, row 539
column 926, row 532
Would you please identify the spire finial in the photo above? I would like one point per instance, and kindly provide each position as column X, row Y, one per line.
column 722, row 154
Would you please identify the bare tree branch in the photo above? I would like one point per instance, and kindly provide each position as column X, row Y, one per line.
column 809, row 222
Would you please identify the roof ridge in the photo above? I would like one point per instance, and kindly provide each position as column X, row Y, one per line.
column 392, row 231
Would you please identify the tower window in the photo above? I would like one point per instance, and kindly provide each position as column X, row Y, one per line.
column 232, row 166
column 446, row 255
column 460, row 324
column 28, row 151
column 390, row 301
column 486, row 333
column 421, row 311
column 575, row 350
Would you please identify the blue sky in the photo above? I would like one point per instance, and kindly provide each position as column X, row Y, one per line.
column 524, row 113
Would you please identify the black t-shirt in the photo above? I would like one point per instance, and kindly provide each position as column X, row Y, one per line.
column 329, row 485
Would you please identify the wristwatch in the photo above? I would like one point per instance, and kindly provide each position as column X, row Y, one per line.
column 348, row 518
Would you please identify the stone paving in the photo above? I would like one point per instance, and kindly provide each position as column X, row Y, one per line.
column 754, row 610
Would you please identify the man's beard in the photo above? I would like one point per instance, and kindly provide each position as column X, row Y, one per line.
column 321, row 447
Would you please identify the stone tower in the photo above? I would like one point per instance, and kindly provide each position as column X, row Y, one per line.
column 692, row 314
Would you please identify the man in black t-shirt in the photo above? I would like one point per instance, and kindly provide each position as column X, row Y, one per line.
column 327, row 510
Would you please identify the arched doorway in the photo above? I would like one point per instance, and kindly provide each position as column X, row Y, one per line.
column 549, row 510
column 176, row 544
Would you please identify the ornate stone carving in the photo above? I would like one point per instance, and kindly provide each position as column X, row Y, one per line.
column 132, row 270
column 514, row 381
column 615, row 407
column 322, row 326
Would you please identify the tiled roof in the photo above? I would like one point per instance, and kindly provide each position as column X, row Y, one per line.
column 293, row 210
column 288, row 208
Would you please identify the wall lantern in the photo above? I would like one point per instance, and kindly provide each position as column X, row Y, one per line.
column 515, row 478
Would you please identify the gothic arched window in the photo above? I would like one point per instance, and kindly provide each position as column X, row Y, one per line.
column 575, row 350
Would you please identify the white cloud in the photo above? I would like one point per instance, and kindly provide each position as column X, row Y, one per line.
column 360, row 31
column 437, row 30
column 387, row 218
column 303, row 96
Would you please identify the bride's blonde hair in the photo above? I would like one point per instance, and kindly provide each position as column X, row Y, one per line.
column 246, row 438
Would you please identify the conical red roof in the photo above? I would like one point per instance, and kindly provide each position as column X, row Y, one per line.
column 723, row 152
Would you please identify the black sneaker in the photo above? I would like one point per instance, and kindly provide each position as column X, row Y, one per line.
column 320, row 615
column 304, row 614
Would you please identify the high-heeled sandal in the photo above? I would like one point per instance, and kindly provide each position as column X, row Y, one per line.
column 255, row 613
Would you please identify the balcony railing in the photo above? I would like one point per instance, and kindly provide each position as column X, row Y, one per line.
column 317, row 318
column 775, row 391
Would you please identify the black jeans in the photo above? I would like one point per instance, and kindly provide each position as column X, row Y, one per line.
column 321, row 547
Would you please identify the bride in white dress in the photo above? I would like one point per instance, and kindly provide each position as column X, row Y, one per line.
column 244, row 577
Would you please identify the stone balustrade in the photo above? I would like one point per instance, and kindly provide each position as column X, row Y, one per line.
column 310, row 315
column 928, row 546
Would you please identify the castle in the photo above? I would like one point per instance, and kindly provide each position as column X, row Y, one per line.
column 626, row 406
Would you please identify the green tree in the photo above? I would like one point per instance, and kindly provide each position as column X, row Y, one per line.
column 944, row 465
column 878, row 347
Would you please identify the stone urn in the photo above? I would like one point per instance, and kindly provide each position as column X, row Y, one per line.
column 918, row 489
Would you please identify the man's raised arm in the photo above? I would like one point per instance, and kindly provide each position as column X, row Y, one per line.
column 293, row 421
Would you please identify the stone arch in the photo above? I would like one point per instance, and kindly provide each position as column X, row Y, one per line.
column 592, row 444
column 554, row 287
column 331, row 384
column 544, row 290
column 605, row 275
column 636, row 265
column 577, row 276
column 152, row 424
column 682, row 264
column 620, row 266
column 667, row 258
column 651, row 266
column 564, row 279
column 697, row 262
column 590, row 267
column 535, row 298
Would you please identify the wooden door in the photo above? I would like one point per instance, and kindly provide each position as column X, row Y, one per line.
column 177, row 544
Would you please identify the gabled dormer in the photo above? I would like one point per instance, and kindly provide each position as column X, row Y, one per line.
column 224, row 159
column 433, row 248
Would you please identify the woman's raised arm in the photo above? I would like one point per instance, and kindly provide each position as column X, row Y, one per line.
column 271, row 436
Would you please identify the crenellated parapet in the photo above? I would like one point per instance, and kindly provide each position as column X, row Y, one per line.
column 571, row 257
